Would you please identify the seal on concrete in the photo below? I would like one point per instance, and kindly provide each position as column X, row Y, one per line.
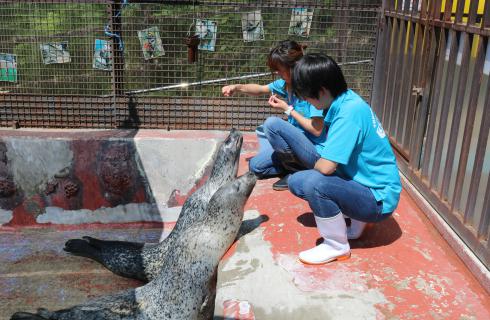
column 185, row 288
column 144, row 261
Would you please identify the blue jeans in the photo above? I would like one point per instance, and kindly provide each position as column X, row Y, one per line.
column 329, row 195
column 282, row 136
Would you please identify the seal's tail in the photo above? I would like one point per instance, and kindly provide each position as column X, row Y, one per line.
column 26, row 316
column 41, row 314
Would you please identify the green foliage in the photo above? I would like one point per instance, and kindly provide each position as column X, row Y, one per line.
column 46, row 23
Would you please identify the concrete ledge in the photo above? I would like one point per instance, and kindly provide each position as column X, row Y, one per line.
column 476, row 267
column 100, row 176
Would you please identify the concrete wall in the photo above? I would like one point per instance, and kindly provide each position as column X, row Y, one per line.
column 100, row 176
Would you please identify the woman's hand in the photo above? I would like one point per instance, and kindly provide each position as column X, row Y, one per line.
column 325, row 166
column 228, row 91
column 250, row 89
column 276, row 102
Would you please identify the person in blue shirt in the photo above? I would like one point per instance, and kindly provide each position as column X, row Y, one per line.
column 290, row 145
column 356, row 173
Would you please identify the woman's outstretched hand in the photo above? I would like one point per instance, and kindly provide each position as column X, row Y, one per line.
column 278, row 103
column 228, row 90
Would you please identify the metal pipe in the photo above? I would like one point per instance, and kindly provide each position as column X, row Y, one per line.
column 249, row 76
column 186, row 85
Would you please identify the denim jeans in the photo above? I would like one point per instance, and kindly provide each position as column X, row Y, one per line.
column 328, row 195
column 282, row 136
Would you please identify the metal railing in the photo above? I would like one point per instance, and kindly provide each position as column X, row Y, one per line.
column 432, row 92
column 160, row 88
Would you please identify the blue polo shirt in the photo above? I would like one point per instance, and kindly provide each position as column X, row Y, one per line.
column 358, row 143
column 302, row 107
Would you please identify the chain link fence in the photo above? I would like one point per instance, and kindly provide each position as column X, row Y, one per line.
column 106, row 64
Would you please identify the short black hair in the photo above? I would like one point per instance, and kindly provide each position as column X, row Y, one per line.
column 315, row 71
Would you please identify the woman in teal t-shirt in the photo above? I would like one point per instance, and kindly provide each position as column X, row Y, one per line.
column 288, row 146
column 356, row 174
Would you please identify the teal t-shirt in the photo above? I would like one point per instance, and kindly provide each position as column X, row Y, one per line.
column 358, row 143
column 302, row 107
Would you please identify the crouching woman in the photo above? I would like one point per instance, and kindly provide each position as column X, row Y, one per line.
column 356, row 175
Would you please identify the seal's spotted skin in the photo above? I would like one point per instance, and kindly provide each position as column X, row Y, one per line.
column 185, row 288
column 144, row 261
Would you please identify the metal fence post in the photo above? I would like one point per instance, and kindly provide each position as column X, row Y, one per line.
column 379, row 62
column 115, row 27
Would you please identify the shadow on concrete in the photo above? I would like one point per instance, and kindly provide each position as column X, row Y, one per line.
column 250, row 225
column 375, row 235
column 378, row 234
column 307, row 219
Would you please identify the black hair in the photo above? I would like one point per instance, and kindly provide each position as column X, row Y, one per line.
column 285, row 54
column 315, row 71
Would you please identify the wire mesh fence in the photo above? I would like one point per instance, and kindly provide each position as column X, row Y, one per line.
column 102, row 63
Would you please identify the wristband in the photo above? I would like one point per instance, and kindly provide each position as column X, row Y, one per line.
column 288, row 110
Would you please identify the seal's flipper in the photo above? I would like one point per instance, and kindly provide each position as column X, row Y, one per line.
column 26, row 316
column 122, row 305
column 122, row 259
column 82, row 248
column 100, row 244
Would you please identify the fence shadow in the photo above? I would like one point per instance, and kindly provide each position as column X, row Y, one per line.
column 133, row 119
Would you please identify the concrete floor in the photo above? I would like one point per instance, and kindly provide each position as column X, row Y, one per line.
column 400, row 269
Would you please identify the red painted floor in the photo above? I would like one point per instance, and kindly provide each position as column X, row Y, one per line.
column 404, row 257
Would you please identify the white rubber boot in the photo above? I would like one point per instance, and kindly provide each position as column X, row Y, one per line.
column 355, row 230
column 335, row 245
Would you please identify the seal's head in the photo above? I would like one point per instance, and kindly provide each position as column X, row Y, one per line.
column 225, row 209
column 226, row 164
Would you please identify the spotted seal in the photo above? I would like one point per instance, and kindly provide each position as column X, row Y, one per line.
column 185, row 288
column 144, row 261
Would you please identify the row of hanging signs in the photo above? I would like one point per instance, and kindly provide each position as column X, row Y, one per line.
column 152, row 45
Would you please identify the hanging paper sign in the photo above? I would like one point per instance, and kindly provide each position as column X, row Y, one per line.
column 252, row 26
column 55, row 52
column 300, row 23
column 8, row 67
column 207, row 31
column 151, row 43
column 102, row 55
